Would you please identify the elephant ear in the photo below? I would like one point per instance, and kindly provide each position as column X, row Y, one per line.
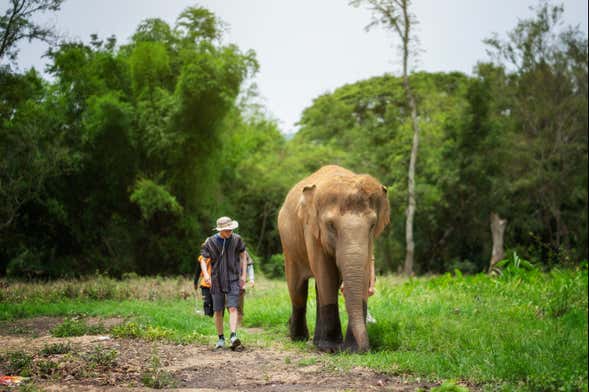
column 306, row 210
column 384, row 212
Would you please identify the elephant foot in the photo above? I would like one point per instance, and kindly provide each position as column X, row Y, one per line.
column 298, row 325
column 328, row 330
column 328, row 347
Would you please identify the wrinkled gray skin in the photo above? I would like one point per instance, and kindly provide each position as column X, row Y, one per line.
column 327, row 226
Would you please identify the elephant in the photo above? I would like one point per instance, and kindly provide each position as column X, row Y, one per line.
column 327, row 227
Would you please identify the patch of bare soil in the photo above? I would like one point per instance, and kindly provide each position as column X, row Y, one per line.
column 92, row 366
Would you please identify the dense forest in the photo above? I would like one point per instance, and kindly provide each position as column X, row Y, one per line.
column 121, row 159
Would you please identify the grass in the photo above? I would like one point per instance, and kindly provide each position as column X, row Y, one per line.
column 523, row 331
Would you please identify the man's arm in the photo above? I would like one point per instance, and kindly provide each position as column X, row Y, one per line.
column 205, row 270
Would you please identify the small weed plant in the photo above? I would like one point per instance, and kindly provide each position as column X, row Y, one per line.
column 76, row 327
column 155, row 377
column 56, row 349
column 101, row 357
column 17, row 363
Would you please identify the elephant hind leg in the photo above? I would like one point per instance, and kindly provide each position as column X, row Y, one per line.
column 297, row 323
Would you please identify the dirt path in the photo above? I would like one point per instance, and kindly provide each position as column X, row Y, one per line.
column 89, row 366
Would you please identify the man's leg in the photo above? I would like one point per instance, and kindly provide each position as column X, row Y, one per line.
column 218, row 306
column 233, row 321
column 219, row 322
column 233, row 318
column 240, row 307
column 232, row 303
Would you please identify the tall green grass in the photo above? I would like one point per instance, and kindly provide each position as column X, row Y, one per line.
column 522, row 331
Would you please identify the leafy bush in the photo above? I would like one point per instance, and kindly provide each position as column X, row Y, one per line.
column 17, row 362
column 46, row 368
column 464, row 266
column 27, row 264
column 75, row 327
column 152, row 198
column 130, row 330
column 56, row 349
column 102, row 357
column 513, row 267
column 274, row 266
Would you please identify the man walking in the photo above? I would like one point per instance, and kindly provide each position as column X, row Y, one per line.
column 226, row 251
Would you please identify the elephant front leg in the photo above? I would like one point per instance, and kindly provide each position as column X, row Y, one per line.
column 328, row 329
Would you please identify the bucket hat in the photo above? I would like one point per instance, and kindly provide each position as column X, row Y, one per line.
column 226, row 223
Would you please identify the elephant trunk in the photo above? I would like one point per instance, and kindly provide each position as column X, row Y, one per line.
column 353, row 266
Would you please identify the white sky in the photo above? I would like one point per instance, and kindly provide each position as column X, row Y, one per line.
column 308, row 47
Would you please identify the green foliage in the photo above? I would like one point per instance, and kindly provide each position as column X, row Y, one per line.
column 150, row 67
column 274, row 267
column 115, row 157
column 76, row 327
column 513, row 267
column 17, row 363
column 128, row 330
column 56, row 349
column 450, row 386
column 101, row 357
column 18, row 23
column 153, row 198
column 155, row 377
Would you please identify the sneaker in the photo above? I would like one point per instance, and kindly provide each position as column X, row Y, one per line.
column 220, row 344
column 236, row 343
column 369, row 318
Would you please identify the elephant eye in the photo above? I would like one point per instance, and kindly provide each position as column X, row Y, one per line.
column 330, row 226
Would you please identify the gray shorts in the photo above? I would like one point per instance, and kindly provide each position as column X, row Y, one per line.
column 222, row 300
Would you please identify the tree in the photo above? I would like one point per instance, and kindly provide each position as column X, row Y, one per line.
column 17, row 24
column 547, row 89
column 394, row 15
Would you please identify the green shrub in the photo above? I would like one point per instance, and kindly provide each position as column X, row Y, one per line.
column 46, row 368
column 514, row 267
column 102, row 357
column 17, row 363
column 130, row 330
column 75, row 327
column 155, row 377
column 56, row 349
column 152, row 198
column 69, row 327
column 274, row 266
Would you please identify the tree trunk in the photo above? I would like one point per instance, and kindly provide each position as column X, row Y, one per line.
column 410, row 249
column 410, row 245
column 498, row 230
column 263, row 229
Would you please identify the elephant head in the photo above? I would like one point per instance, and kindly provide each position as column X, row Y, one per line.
column 344, row 216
